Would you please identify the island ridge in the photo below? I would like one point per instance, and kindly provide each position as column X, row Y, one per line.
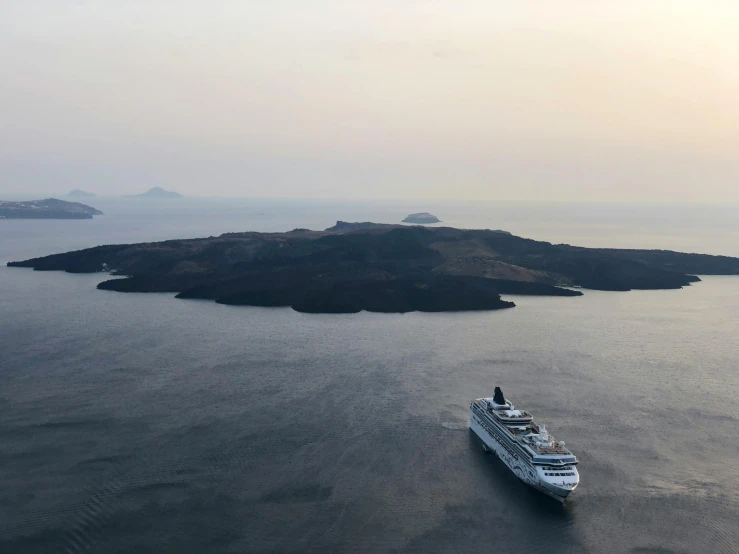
column 384, row 268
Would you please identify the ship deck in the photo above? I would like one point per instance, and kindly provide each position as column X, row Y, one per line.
column 518, row 431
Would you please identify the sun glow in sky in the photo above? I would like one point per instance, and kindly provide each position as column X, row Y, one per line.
column 570, row 100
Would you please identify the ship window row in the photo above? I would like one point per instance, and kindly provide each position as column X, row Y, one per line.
column 560, row 474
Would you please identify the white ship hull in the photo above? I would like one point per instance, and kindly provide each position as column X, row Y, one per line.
column 521, row 467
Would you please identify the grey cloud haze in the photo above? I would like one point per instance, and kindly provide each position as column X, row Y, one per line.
column 440, row 99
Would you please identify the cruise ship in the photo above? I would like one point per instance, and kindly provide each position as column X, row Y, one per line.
column 524, row 446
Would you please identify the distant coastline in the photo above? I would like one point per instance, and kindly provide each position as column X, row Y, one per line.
column 49, row 208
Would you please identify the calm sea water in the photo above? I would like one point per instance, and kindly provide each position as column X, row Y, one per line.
column 141, row 423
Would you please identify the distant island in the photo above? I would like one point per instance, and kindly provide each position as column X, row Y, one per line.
column 49, row 208
column 422, row 218
column 157, row 192
column 381, row 268
column 77, row 193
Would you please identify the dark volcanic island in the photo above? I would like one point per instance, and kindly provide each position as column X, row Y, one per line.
column 380, row 268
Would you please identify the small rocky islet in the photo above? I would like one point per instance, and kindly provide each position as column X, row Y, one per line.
column 421, row 218
column 389, row 268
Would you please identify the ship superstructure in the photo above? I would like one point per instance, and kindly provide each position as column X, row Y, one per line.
column 524, row 446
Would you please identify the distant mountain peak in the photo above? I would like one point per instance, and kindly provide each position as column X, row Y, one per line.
column 80, row 193
column 158, row 192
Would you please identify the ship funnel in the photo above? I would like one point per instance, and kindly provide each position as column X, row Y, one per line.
column 498, row 397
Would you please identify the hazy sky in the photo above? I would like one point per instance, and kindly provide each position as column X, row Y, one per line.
column 566, row 99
